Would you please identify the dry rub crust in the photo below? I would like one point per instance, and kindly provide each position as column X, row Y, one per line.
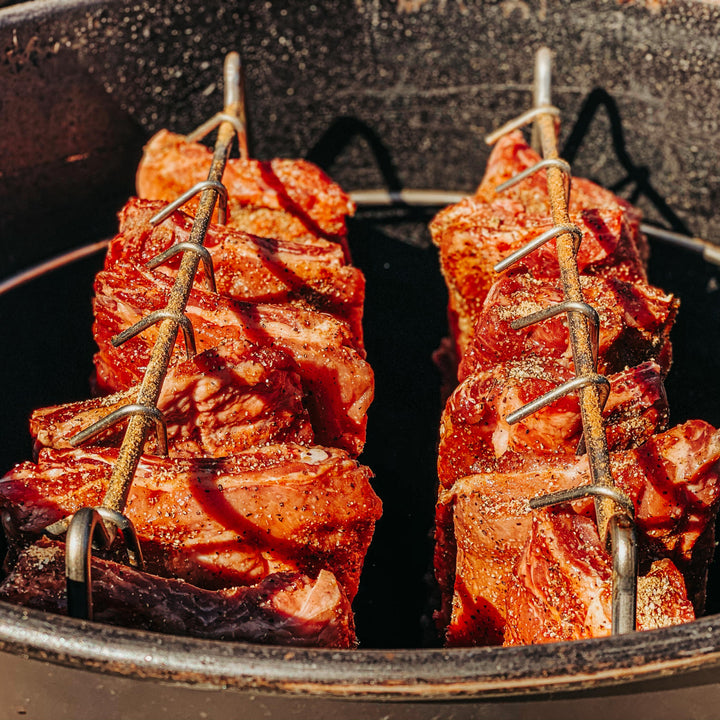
column 277, row 198
column 561, row 586
column 483, row 521
column 215, row 522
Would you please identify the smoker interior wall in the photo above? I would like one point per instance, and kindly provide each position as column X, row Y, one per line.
column 379, row 93
column 397, row 92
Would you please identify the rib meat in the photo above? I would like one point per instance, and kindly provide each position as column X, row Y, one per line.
column 561, row 587
column 474, row 432
column 336, row 379
column 483, row 521
column 474, row 236
column 635, row 323
column 215, row 522
column 222, row 401
column 284, row 608
column 311, row 273
column 511, row 155
column 291, row 199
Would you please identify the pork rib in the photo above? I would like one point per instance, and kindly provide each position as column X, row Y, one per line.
column 635, row 323
column 284, row 608
column 561, row 587
column 473, row 237
column 483, row 521
column 222, row 401
column 311, row 273
column 336, row 379
column 511, row 155
column 280, row 198
column 474, row 432
column 215, row 522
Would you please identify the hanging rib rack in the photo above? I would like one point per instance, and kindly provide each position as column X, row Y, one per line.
column 614, row 511
column 100, row 524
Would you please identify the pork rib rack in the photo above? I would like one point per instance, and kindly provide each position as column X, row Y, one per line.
column 256, row 524
column 507, row 573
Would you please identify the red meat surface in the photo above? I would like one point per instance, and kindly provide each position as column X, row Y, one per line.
column 561, row 588
column 473, row 237
column 474, row 432
column 312, row 273
column 278, row 198
column 483, row 521
column 215, row 522
column 336, row 379
column 635, row 323
column 222, row 401
column 282, row 609
column 511, row 155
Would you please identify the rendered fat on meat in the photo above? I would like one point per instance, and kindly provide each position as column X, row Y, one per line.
column 635, row 323
column 282, row 609
column 222, row 401
column 278, row 198
column 312, row 272
column 561, row 587
column 474, row 432
column 483, row 521
column 215, row 522
column 473, row 237
column 337, row 380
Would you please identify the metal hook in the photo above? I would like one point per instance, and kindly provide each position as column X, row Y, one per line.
column 170, row 208
column 540, row 240
column 234, row 97
column 566, row 306
column 520, row 121
column 153, row 318
column 87, row 527
column 622, row 537
column 547, row 162
column 187, row 246
column 566, row 388
column 116, row 416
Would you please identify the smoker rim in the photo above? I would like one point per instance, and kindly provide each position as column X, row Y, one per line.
column 420, row 674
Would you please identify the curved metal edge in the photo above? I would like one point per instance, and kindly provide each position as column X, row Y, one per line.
column 422, row 674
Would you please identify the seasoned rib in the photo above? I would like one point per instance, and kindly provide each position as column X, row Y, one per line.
column 474, row 432
column 473, row 237
column 279, row 198
column 483, row 521
column 561, row 587
column 222, row 401
column 283, row 609
column 511, row 155
column 635, row 323
column 215, row 522
column 337, row 380
column 312, row 273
